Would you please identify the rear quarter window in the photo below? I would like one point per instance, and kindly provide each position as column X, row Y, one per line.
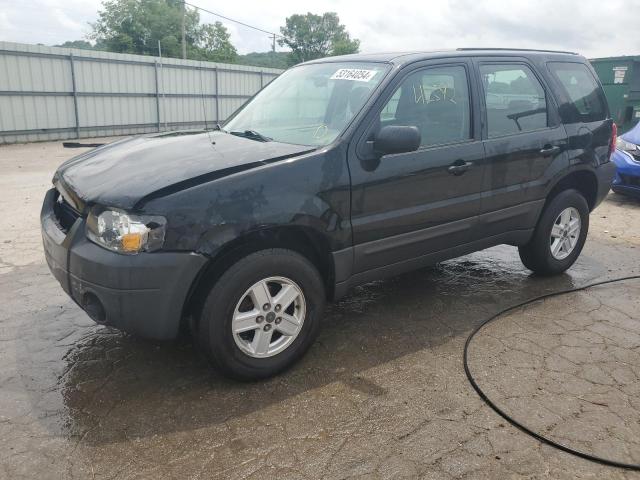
column 583, row 98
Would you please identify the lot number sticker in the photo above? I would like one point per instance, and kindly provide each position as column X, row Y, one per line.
column 356, row 74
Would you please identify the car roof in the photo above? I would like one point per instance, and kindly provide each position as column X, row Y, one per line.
column 399, row 58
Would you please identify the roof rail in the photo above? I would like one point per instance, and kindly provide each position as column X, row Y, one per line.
column 519, row 50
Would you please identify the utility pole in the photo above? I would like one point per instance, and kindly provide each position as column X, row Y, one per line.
column 184, row 36
column 273, row 45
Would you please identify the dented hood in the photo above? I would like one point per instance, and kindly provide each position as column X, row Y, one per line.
column 123, row 174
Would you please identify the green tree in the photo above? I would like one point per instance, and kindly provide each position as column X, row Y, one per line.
column 215, row 45
column 265, row 59
column 313, row 36
column 136, row 26
column 81, row 44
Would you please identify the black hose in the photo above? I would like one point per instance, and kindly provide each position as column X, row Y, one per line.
column 512, row 421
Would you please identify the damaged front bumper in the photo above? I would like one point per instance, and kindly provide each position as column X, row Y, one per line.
column 143, row 294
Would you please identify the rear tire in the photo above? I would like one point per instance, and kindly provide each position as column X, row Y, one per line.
column 241, row 326
column 556, row 244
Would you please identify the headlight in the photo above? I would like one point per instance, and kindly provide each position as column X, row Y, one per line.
column 625, row 146
column 125, row 232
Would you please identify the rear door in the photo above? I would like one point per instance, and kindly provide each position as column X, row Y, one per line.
column 412, row 204
column 523, row 141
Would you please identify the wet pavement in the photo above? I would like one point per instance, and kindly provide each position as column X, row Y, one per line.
column 382, row 394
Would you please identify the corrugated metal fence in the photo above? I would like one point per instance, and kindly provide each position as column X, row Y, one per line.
column 49, row 93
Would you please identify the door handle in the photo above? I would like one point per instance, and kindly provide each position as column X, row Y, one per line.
column 459, row 167
column 549, row 150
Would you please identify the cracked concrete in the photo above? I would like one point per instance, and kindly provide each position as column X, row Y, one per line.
column 382, row 394
column 568, row 367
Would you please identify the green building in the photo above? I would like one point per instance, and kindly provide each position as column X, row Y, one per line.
column 620, row 77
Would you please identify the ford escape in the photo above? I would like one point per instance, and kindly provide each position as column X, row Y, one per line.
column 341, row 171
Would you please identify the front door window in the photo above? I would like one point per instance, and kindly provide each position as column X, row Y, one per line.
column 436, row 100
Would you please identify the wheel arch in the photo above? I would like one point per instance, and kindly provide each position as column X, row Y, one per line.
column 583, row 180
column 304, row 240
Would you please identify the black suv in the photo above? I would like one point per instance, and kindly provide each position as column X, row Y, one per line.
column 341, row 171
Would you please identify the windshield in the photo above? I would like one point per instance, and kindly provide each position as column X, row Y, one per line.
column 310, row 104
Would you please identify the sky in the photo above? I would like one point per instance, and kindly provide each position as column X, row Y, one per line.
column 594, row 28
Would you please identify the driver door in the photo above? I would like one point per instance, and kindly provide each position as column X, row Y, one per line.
column 412, row 204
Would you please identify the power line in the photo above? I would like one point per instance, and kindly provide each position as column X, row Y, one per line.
column 233, row 20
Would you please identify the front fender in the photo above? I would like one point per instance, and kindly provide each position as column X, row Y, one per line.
column 310, row 191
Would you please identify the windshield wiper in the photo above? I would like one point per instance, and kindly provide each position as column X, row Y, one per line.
column 251, row 134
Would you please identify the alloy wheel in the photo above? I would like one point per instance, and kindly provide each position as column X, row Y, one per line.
column 268, row 317
column 565, row 233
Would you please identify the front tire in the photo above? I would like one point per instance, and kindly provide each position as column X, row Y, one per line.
column 262, row 314
column 559, row 236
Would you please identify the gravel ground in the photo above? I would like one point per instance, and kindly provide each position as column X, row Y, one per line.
column 382, row 394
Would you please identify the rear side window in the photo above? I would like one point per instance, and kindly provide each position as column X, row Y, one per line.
column 436, row 100
column 582, row 91
column 514, row 98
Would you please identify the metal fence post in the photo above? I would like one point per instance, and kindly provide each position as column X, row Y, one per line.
column 157, row 96
column 217, row 95
column 75, row 94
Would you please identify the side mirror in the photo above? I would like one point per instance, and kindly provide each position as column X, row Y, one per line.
column 396, row 139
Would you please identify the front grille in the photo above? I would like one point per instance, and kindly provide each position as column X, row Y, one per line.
column 630, row 180
column 65, row 213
